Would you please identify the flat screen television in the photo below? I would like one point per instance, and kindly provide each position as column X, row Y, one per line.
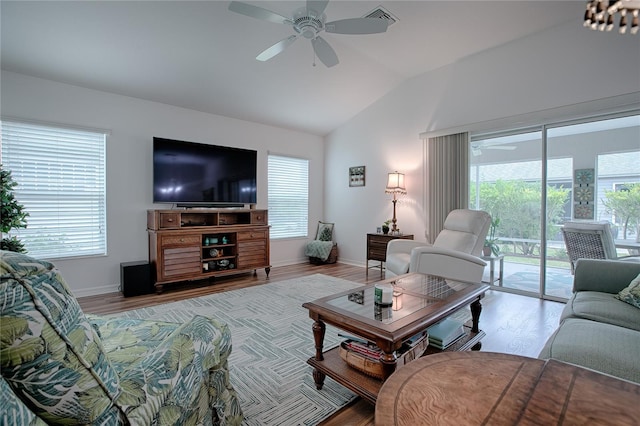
column 196, row 174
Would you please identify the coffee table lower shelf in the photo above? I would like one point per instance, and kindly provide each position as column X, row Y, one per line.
column 466, row 343
column 368, row 387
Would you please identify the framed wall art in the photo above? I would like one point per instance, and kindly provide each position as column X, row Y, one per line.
column 583, row 194
column 356, row 176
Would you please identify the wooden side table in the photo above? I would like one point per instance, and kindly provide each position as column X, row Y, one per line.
column 476, row 388
column 377, row 249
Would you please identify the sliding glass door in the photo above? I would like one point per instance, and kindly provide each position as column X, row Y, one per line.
column 602, row 176
column 506, row 181
column 529, row 181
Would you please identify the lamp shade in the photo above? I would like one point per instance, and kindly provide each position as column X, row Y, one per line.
column 395, row 184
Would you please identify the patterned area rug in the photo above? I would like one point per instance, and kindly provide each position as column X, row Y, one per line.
column 272, row 340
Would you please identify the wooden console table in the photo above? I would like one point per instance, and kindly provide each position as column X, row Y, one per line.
column 478, row 388
column 195, row 244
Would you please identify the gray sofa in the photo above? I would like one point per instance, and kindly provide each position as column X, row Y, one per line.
column 597, row 330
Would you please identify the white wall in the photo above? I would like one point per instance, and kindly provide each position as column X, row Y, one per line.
column 133, row 123
column 563, row 66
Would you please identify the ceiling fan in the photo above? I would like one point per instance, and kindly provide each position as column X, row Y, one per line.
column 309, row 22
column 476, row 149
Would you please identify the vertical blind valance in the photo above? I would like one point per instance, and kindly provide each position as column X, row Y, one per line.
column 288, row 196
column 61, row 182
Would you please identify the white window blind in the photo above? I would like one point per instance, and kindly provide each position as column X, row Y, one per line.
column 288, row 196
column 61, row 183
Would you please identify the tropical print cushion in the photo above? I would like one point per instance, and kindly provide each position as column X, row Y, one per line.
column 631, row 293
column 13, row 411
column 182, row 369
column 49, row 353
column 68, row 368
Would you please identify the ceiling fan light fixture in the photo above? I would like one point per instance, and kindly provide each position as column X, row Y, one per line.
column 623, row 23
column 609, row 23
column 600, row 14
column 587, row 17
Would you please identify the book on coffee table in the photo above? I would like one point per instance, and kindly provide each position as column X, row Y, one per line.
column 444, row 333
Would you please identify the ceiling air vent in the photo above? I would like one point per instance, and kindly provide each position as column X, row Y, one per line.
column 382, row 13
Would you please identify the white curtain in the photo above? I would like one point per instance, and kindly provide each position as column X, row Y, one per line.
column 446, row 179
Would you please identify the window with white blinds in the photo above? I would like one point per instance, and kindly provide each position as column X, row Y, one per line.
column 288, row 196
column 61, row 183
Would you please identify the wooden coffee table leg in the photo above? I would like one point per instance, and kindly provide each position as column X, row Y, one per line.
column 389, row 363
column 318, row 336
column 476, row 308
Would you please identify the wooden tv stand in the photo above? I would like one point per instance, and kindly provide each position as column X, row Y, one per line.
column 195, row 244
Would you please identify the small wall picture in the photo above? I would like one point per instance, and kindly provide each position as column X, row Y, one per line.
column 356, row 176
column 583, row 194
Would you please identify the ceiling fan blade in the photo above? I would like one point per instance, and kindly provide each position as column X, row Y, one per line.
column 276, row 48
column 257, row 12
column 325, row 52
column 317, row 6
column 357, row 26
column 503, row 147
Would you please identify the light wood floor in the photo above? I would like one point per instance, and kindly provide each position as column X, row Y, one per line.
column 514, row 324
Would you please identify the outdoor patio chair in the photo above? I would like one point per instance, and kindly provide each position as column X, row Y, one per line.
column 591, row 240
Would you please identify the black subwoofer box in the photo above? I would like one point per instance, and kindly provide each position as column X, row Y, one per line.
column 135, row 278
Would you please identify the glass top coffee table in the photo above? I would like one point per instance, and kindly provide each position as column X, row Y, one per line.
column 419, row 301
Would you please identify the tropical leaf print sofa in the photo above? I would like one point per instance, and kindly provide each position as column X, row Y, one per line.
column 62, row 366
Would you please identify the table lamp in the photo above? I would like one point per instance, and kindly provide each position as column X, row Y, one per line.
column 395, row 185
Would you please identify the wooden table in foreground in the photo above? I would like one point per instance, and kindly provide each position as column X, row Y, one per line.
column 423, row 300
column 484, row 388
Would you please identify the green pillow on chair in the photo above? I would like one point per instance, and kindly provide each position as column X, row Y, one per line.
column 325, row 231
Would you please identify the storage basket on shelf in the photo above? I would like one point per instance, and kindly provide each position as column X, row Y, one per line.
column 412, row 349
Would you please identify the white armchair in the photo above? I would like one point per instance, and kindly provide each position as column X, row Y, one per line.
column 454, row 254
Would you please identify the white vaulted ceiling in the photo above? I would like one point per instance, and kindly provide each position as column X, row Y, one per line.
column 201, row 56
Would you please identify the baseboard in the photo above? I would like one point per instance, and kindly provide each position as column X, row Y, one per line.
column 352, row 262
column 96, row 291
column 115, row 288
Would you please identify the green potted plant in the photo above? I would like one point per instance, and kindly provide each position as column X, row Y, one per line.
column 12, row 213
column 491, row 242
column 385, row 226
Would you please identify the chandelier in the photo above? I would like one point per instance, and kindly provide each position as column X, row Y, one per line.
column 600, row 15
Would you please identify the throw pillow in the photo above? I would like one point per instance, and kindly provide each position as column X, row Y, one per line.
column 325, row 231
column 631, row 293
